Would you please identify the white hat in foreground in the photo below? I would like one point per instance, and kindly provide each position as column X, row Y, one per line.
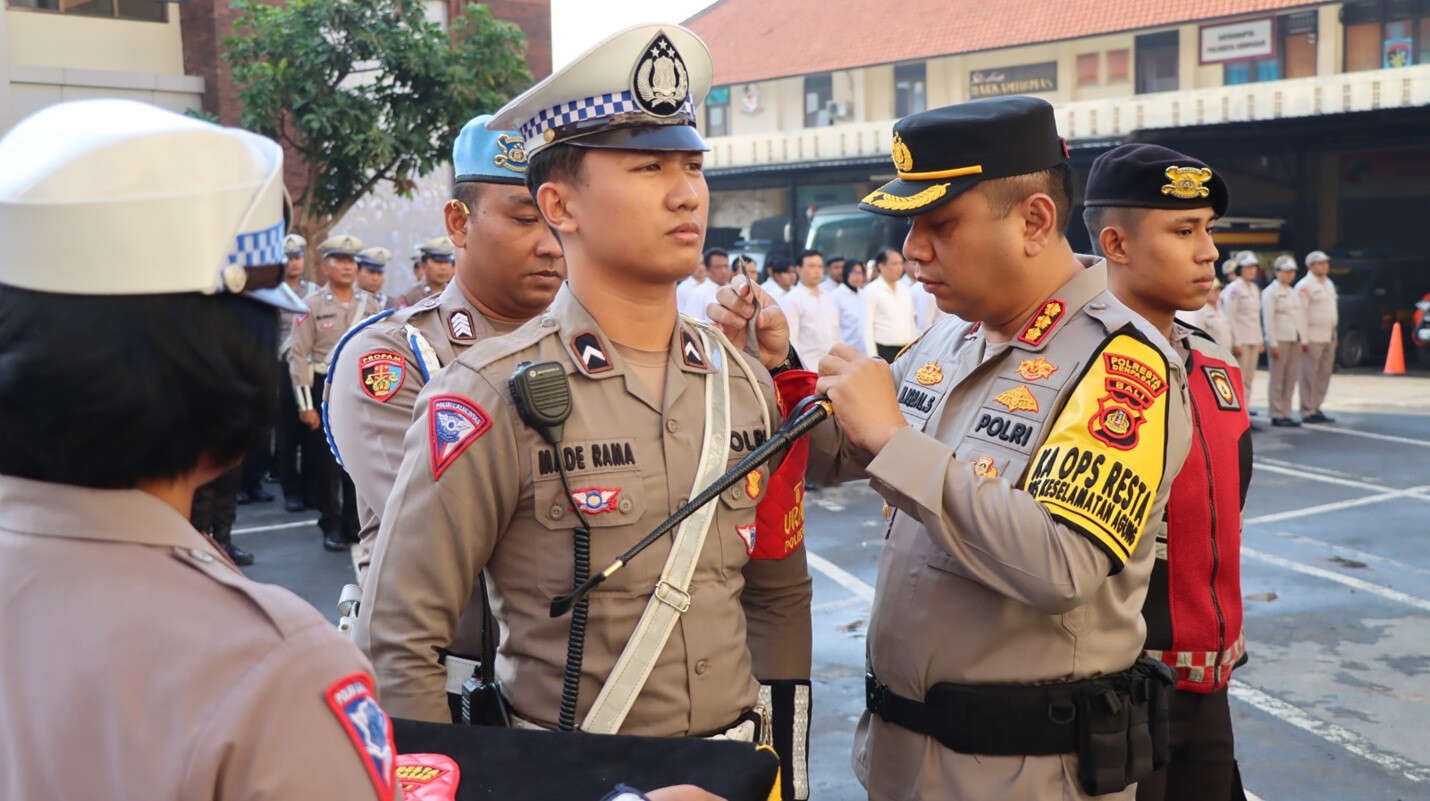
column 116, row 197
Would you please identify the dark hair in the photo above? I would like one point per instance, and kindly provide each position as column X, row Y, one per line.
column 828, row 259
column 560, row 162
column 777, row 264
column 1096, row 218
column 469, row 192
column 1005, row 193
column 156, row 383
column 804, row 254
column 882, row 257
column 849, row 266
column 713, row 252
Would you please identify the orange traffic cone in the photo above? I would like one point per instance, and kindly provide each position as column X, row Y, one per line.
column 1395, row 355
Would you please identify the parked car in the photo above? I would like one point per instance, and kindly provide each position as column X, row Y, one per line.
column 1375, row 292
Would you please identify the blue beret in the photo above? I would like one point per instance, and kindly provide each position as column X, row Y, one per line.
column 494, row 157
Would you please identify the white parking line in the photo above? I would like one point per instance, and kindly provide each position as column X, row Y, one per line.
column 1339, row 578
column 276, row 527
column 1372, row 435
column 843, row 577
column 1299, row 472
column 1330, row 732
column 1353, row 553
column 1335, row 506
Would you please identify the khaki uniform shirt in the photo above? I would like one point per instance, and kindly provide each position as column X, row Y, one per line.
column 1241, row 302
column 287, row 318
column 139, row 662
column 1322, row 313
column 1028, row 496
column 316, row 333
column 417, row 293
column 478, row 489
column 1210, row 319
column 1283, row 312
column 371, row 394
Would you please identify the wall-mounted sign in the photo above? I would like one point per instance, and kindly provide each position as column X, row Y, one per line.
column 719, row 96
column 1025, row 79
column 1239, row 41
column 750, row 99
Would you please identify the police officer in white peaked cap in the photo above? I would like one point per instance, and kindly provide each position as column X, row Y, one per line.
column 162, row 236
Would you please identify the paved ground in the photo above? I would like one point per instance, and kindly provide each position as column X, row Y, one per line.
column 1336, row 577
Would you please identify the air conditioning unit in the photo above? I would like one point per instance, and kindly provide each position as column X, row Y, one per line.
column 840, row 110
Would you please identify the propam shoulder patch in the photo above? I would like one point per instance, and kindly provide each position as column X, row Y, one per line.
column 1101, row 466
column 354, row 702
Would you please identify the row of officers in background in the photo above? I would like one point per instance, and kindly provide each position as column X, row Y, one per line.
column 1293, row 322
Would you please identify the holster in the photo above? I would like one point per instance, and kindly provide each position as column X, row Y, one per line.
column 1118, row 724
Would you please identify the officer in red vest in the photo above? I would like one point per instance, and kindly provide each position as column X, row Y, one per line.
column 1149, row 211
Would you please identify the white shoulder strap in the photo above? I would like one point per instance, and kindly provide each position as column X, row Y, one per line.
column 671, row 597
column 427, row 360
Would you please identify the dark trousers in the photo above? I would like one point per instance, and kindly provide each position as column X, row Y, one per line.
column 888, row 352
column 1203, row 761
column 287, row 434
column 332, row 490
column 257, row 462
column 215, row 506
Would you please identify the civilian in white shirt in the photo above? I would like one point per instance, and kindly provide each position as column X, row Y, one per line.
column 745, row 265
column 849, row 296
column 812, row 313
column 888, row 308
column 1322, row 316
column 698, row 291
column 782, row 277
column 833, row 273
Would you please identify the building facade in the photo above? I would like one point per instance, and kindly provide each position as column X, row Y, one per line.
column 1315, row 112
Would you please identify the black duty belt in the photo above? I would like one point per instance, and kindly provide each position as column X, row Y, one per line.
column 1117, row 724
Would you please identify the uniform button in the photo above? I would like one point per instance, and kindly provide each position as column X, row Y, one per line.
column 671, row 425
column 1097, row 306
column 201, row 555
column 681, row 502
column 624, row 505
column 548, row 322
column 702, row 667
column 557, row 512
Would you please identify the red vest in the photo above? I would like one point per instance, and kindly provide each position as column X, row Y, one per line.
column 1193, row 607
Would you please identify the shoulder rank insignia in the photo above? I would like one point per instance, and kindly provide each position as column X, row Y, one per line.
column 1017, row 399
column 1038, row 327
column 460, row 324
column 690, row 351
column 1187, row 183
column 1036, row 369
column 586, row 347
column 930, row 374
column 381, row 373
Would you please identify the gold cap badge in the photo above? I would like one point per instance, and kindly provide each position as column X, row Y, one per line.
column 1187, row 182
column 903, row 159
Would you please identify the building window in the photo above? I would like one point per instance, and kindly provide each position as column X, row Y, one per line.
column 910, row 96
column 1117, row 61
column 717, row 112
column 1294, row 56
column 1087, row 64
column 143, row 10
column 1157, row 57
column 1385, row 34
column 818, row 94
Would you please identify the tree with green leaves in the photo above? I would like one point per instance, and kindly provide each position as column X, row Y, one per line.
column 365, row 91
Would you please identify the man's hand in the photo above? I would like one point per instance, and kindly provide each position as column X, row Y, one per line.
column 1275, row 351
column 734, row 306
column 310, row 419
column 682, row 792
column 862, row 392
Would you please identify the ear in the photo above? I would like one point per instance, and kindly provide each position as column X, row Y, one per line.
column 554, row 201
column 1040, row 216
column 456, row 215
column 1114, row 243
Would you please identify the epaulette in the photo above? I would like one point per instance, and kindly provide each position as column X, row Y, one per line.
column 491, row 349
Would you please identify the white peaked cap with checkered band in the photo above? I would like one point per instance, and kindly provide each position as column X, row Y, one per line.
column 636, row 90
column 116, row 197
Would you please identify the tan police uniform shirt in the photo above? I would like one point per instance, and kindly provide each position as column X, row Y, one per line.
column 286, row 319
column 139, row 662
column 418, row 292
column 1322, row 314
column 373, row 389
column 1241, row 301
column 1028, row 498
column 316, row 333
column 1283, row 312
column 478, row 489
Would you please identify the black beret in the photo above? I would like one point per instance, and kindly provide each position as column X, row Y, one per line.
column 1143, row 176
column 942, row 152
